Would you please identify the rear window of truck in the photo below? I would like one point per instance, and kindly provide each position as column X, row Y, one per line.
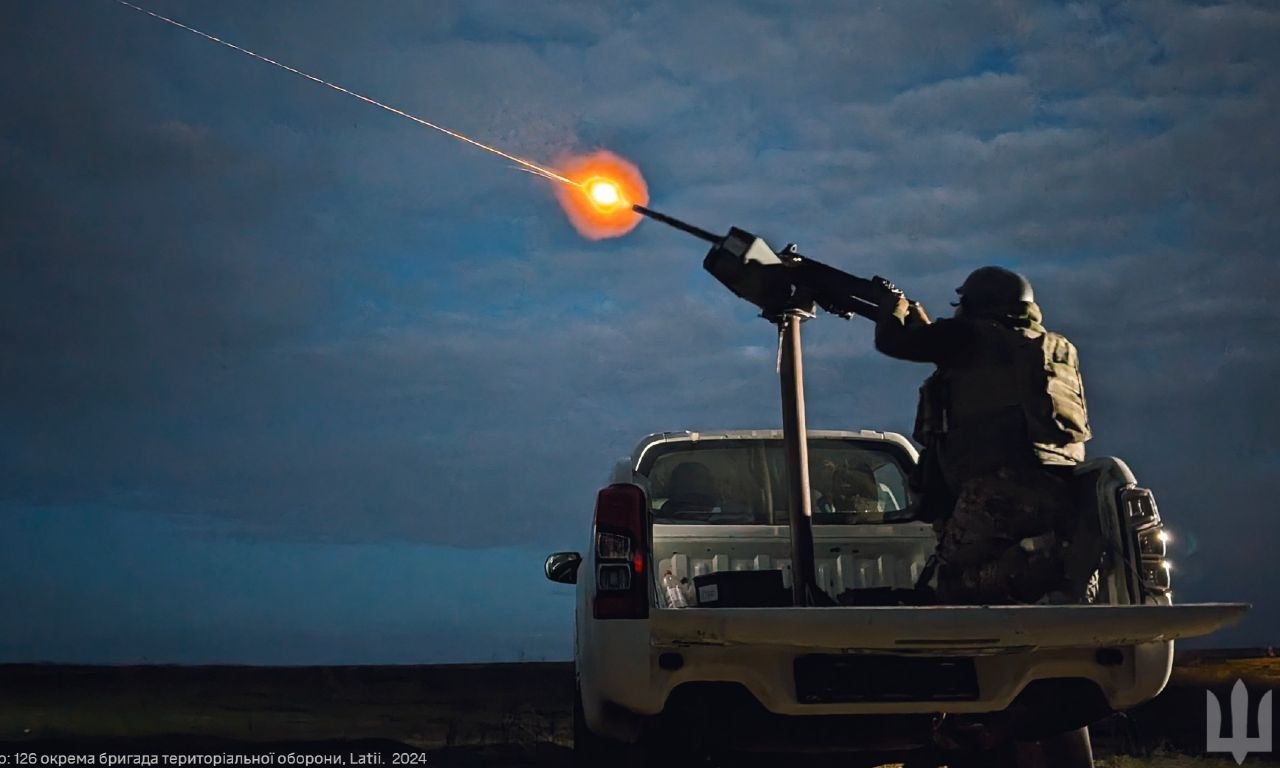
column 744, row 482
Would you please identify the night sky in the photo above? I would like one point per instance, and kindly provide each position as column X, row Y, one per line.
column 289, row 379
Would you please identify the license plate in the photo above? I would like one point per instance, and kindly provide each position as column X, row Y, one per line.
column 822, row 678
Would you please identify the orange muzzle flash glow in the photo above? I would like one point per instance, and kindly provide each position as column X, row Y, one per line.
column 604, row 193
column 598, row 202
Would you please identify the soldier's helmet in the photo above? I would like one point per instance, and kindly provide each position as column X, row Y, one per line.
column 994, row 288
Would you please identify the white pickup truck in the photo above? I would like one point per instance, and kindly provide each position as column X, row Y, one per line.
column 686, row 636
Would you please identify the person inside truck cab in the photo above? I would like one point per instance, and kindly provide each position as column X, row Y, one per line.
column 844, row 488
column 691, row 488
column 1002, row 421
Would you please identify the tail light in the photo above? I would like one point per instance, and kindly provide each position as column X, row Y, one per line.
column 1155, row 575
column 622, row 584
column 1151, row 544
column 1140, row 511
column 1140, row 508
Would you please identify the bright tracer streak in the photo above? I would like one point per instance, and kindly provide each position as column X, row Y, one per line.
column 534, row 167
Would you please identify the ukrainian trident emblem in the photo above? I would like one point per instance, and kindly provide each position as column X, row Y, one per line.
column 1238, row 742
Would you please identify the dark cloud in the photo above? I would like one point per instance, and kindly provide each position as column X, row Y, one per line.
column 231, row 294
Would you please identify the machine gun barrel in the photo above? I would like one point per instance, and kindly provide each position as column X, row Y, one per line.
column 670, row 221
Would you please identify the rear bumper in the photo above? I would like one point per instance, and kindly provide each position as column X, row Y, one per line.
column 619, row 697
column 727, row 715
column 1116, row 656
column 1126, row 676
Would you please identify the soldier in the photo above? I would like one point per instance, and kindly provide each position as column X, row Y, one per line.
column 1002, row 420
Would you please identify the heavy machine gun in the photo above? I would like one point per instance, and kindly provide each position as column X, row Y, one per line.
column 788, row 287
column 783, row 281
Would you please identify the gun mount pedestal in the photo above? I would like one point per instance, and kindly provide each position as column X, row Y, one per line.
column 795, row 440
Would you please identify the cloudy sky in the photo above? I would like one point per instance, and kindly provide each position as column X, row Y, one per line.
column 289, row 379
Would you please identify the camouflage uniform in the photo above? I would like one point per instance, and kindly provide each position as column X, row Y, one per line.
column 1001, row 540
column 998, row 500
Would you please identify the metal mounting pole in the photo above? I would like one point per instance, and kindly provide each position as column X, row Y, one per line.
column 796, row 442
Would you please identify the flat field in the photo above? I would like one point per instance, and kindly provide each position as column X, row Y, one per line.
column 464, row 715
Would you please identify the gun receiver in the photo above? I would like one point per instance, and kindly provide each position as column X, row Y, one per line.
column 783, row 281
column 778, row 282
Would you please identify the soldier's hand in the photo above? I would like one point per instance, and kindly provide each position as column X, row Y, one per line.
column 916, row 314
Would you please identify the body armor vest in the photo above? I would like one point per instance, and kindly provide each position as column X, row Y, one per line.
column 1018, row 375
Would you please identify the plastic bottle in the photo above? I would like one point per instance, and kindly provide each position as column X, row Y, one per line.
column 690, row 594
column 675, row 597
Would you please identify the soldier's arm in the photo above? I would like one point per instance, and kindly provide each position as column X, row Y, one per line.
column 904, row 331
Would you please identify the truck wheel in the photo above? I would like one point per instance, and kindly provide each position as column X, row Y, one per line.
column 1000, row 757
column 591, row 750
column 1070, row 749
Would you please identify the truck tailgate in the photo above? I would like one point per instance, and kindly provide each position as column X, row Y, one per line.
column 941, row 628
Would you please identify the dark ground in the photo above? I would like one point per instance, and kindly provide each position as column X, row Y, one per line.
column 481, row 715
